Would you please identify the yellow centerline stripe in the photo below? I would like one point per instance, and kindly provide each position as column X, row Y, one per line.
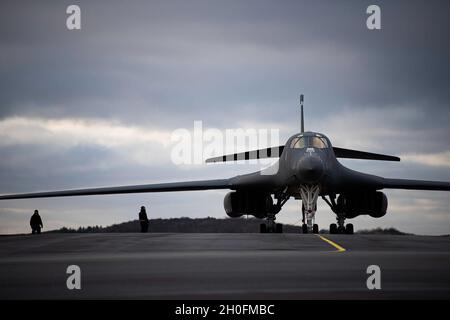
column 334, row 244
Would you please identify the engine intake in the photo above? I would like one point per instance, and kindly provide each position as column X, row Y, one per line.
column 373, row 204
column 238, row 203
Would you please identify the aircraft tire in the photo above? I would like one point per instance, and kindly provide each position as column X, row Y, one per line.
column 304, row 228
column 316, row 229
column 262, row 228
column 333, row 228
column 279, row 228
column 349, row 228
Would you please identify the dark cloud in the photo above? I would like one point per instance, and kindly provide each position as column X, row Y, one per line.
column 175, row 56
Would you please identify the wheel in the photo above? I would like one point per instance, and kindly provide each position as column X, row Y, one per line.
column 315, row 228
column 349, row 228
column 333, row 228
column 262, row 228
column 304, row 228
column 341, row 230
column 279, row 228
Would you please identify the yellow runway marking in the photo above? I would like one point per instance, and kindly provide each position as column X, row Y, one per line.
column 334, row 244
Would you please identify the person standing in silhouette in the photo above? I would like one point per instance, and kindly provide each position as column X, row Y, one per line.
column 143, row 220
column 36, row 223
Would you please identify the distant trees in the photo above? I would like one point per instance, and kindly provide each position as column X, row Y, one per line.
column 390, row 231
column 203, row 225
column 95, row 229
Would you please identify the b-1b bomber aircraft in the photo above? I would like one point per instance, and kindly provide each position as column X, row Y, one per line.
column 306, row 169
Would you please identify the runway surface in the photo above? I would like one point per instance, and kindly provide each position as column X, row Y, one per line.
column 229, row 266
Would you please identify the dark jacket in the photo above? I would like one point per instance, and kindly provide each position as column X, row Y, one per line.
column 36, row 220
column 143, row 216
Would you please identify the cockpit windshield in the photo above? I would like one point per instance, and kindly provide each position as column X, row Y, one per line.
column 298, row 143
column 316, row 142
column 309, row 142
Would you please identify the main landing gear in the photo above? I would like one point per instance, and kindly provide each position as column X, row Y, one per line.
column 271, row 226
column 347, row 229
column 340, row 227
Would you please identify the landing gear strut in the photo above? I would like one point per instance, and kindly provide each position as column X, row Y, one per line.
column 309, row 194
column 340, row 223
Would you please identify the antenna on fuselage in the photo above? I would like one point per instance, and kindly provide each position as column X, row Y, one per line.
column 302, row 123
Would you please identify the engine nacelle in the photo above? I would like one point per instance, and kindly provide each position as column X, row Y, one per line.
column 373, row 204
column 238, row 203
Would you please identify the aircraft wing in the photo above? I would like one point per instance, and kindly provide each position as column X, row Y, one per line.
column 275, row 152
column 158, row 187
column 416, row 184
column 351, row 180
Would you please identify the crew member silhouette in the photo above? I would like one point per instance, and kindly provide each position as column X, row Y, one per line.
column 36, row 223
column 143, row 219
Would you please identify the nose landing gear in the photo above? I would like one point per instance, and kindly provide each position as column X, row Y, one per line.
column 309, row 194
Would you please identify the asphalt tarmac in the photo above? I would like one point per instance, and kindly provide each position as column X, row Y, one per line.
column 223, row 266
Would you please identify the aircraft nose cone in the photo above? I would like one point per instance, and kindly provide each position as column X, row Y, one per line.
column 310, row 169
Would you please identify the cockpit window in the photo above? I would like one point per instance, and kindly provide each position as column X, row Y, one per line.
column 309, row 142
column 316, row 142
column 298, row 143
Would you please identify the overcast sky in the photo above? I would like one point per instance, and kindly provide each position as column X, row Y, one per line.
column 97, row 106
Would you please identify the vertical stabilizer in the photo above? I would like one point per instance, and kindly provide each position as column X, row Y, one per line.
column 302, row 123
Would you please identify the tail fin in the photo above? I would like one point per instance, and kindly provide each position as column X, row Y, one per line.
column 302, row 123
